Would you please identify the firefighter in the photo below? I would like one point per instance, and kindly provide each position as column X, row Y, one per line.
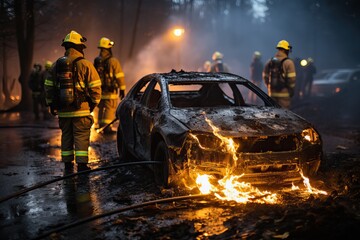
column 256, row 68
column 206, row 67
column 279, row 75
column 113, row 83
column 218, row 65
column 72, row 92
column 44, row 75
column 37, row 87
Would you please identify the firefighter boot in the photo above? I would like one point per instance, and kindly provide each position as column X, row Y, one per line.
column 82, row 167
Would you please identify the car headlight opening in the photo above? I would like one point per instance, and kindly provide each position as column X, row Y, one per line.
column 310, row 135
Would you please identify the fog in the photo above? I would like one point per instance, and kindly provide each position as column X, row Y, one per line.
column 236, row 28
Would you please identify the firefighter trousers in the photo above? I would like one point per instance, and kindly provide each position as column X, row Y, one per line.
column 107, row 109
column 75, row 138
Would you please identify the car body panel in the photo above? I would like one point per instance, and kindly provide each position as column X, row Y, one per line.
column 334, row 81
column 270, row 140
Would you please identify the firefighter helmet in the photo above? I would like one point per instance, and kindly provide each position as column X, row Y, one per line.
column 283, row 44
column 257, row 54
column 105, row 43
column 217, row 56
column 75, row 38
column 48, row 64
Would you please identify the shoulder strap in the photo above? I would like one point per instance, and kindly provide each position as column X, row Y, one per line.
column 75, row 71
column 282, row 61
column 106, row 64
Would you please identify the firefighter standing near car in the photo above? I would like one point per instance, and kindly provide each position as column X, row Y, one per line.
column 279, row 75
column 72, row 92
column 256, row 68
column 218, row 64
column 113, row 83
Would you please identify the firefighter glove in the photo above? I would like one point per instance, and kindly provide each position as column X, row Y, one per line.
column 122, row 94
column 92, row 106
column 53, row 110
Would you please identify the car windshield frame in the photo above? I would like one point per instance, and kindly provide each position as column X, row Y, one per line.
column 228, row 93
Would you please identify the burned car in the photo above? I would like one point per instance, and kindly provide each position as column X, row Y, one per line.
column 215, row 123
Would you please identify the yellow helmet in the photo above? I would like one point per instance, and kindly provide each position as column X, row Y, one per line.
column 105, row 43
column 48, row 64
column 284, row 45
column 217, row 55
column 257, row 54
column 74, row 37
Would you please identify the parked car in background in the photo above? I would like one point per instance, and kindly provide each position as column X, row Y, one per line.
column 330, row 82
column 187, row 120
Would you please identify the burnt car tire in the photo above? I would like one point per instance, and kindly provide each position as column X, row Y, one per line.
column 162, row 170
column 124, row 154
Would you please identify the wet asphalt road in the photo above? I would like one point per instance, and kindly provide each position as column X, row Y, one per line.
column 30, row 154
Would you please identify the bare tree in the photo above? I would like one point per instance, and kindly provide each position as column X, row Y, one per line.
column 25, row 28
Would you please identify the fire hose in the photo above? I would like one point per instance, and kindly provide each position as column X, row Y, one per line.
column 107, row 125
column 72, row 175
column 84, row 220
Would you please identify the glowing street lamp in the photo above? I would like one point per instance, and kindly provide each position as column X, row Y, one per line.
column 178, row 33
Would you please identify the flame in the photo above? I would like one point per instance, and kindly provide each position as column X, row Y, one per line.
column 309, row 188
column 230, row 145
column 230, row 187
column 204, row 184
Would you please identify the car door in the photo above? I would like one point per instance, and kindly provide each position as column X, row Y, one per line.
column 127, row 116
column 145, row 118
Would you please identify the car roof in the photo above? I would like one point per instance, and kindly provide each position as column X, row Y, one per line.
column 183, row 76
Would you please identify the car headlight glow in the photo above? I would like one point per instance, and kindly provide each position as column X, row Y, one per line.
column 310, row 135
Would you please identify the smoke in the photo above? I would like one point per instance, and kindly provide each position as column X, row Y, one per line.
column 259, row 10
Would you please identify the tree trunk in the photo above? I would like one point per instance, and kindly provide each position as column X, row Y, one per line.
column 24, row 17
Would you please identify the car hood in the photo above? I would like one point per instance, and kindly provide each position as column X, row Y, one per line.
column 242, row 121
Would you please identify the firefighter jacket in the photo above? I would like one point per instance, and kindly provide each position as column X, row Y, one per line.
column 288, row 74
column 88, row 85
column 114, row 71
column 35, row 82
column 219, row 66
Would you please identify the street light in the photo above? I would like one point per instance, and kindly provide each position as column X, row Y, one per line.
column 178, row 32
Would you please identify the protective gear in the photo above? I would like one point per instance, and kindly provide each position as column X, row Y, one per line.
column 92, row 106
column 283, row 44
column 122, row 94
column 88, row 84
column 283, row 92
column 64, row 77
column 113, row 83
column 276, row 75
column 105, row 43
column 257, row 54
column 75, row 38
column 48, row 65
column 217, row 56
column 75, row 123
